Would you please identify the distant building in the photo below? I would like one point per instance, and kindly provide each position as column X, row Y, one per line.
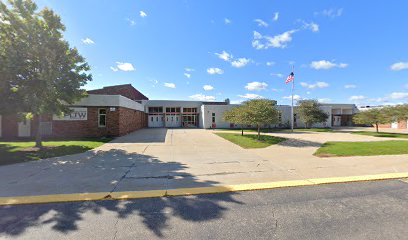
column 402, row 124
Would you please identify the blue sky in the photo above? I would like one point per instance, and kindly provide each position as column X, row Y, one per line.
column 343, row 51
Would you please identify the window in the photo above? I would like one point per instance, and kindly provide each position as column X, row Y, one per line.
column 190, row 110
column 152, row 119
column 172, row 109
column 280, row 117
column 213, row 117
column 102, row 117
column 294, row 117
column 155, row 109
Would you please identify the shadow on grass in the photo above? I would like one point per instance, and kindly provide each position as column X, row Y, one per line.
column 12, row 154
column 136, row 172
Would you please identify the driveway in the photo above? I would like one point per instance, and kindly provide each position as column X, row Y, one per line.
column 161, row 159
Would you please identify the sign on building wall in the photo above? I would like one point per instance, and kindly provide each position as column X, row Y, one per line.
column 76, row 114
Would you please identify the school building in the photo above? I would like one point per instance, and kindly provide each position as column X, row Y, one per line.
column 119, row 110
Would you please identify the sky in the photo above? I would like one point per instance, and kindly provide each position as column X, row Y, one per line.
column 342, row 51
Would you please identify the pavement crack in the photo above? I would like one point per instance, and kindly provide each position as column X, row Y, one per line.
column 115, row 226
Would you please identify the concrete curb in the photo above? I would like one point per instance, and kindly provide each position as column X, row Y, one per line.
column 74, row 197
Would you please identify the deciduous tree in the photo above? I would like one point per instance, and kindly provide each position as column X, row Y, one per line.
column 310, row 112
column 40, row 72
column 374, row 116
column 260, row 112
column 237, row 115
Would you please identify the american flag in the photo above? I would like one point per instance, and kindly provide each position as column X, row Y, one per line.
column 290, row 78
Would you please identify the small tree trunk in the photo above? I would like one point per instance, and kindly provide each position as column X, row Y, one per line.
column 259, row 132
column 38, row 137
column 376, row 127
column 242, row 130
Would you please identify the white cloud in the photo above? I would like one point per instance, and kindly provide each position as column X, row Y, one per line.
column 331, row 13
column 142, row 14
column 250, row 96
column 279, row 75
column 277, row 41
column 256, row 86
column 213, row 71
column 324, row 100
column 270, row 64
column 224, row 56
column 131, row 22
column 324, row 64
column 350, row 86
column 227, row 21
column 276, row 16
column 127, row 67
column 188, row 75
column 308, row 93
column 189, row 70
column 202, row 97
column 114, row 69
column 399, row 66
column 295, row 97
column 208, row 87
column 311, row 26
column 87, row 41
column 315, row 85
column 261, row 23
column 357, row 98
column 170, row 85
column 240, row 62
column 398, row 95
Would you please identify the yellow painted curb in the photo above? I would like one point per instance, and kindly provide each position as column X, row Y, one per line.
column 54, row 198
column 137, row 194
column 191, row 191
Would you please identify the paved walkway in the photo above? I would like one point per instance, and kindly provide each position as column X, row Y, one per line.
column 157, row 159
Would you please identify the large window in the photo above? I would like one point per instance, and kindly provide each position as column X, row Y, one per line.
column 172, row 109
column 213, row 117
column 155, row 109
column 102, row 117
column 189, row 110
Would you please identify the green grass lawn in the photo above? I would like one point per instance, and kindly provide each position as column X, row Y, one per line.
column 21, row 151
column 251, row 140
column 382, row 134
column 338, row 149
column 272, row 130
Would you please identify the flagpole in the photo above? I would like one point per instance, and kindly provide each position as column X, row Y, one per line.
column 293, row 87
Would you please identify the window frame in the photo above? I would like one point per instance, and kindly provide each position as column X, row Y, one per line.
column 99, row 117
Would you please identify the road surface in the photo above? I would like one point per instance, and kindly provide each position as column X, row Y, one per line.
column 365, row 210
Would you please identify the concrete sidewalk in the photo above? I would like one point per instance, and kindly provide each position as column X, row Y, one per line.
column 162, row 159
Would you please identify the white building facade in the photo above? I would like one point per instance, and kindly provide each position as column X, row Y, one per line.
column 198, row 114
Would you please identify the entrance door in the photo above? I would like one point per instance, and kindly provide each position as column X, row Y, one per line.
column 24, row 128
column 336, row 121
column 394, row 125
column 155, row 121
column 173, row 120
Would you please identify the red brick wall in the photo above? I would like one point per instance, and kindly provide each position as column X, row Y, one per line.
column 131, row 120
column 402, row 124
column 9, row 126
column 126, row 90
column 118, row 123
column 387, row 125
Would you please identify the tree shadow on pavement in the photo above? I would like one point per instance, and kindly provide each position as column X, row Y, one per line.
column 154, row 213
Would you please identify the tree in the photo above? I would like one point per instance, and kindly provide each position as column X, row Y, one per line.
column 398, row 113
column 310, row 112
column 237, row 115
column 40, row 72
column 374, row 116
column 260, row 112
